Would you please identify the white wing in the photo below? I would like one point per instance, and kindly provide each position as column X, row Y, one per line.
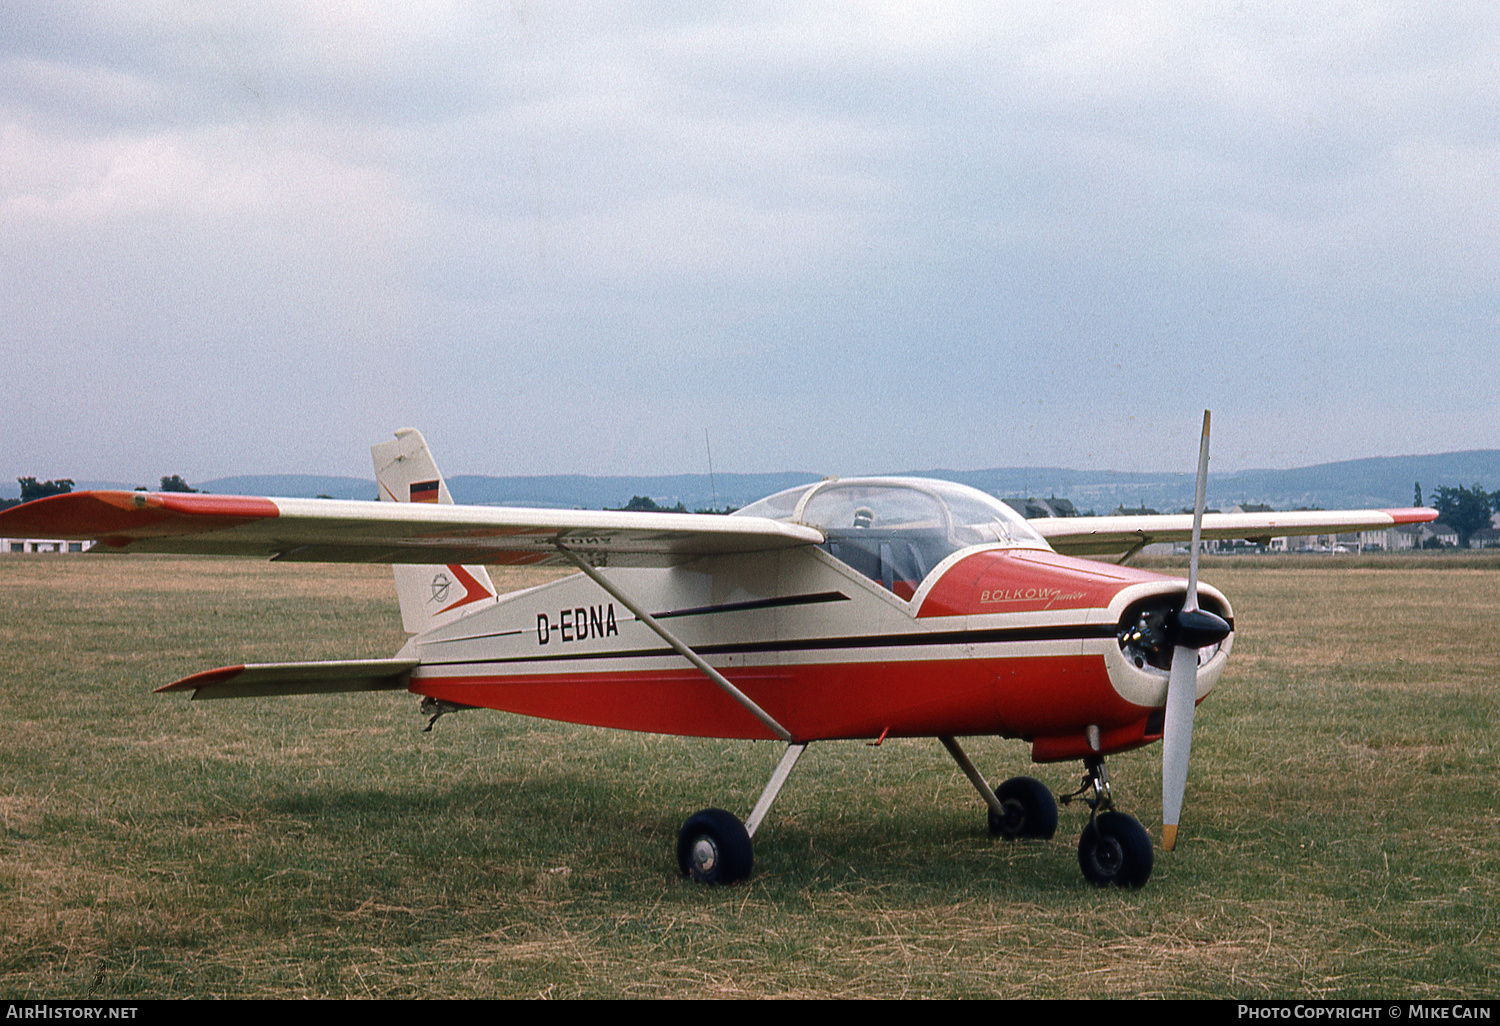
column 1085, row 536
column 337, row 531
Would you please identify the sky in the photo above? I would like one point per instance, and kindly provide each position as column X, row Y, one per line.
column 840, row 238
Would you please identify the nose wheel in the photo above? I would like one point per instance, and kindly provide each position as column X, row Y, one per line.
column 1115, row 849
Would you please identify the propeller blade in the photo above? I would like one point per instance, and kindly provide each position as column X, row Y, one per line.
column 1198, row 502
column 1182, row 681
column 1177, row 739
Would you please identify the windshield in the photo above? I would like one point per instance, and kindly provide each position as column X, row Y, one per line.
column 896, row 530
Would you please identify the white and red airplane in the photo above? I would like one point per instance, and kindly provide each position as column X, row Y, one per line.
column 865, row 608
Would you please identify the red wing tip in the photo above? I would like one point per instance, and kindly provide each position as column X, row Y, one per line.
column 1412, row 515
column 203, row 679
column 131, row 516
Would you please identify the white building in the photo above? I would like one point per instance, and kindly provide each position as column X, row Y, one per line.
column 18, row 545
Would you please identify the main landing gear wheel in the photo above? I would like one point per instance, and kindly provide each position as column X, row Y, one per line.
column 1115, row 849
column 714, row 848
column 1030, row 810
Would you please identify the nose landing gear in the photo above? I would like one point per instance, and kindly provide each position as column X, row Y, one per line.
column 1115, row 848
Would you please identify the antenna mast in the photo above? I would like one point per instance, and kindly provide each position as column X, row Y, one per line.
column 712, row 487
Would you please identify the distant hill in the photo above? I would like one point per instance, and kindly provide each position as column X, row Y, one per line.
column 692, row 490
column 12, row 489
column 566, row 491
column 292, row 486
column 1379, row 482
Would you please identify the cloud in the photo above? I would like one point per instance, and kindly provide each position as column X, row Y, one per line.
column 871, row 235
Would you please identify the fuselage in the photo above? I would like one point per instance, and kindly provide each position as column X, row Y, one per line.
column 876, row 633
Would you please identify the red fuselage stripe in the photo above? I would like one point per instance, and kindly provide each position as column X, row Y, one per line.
column 1015, row 697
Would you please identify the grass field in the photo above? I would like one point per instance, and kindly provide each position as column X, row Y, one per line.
column 1341, row 835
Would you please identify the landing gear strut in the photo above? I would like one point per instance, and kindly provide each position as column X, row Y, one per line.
column 1115, row 848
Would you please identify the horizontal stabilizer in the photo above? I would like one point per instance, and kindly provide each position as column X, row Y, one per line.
column 262, row 679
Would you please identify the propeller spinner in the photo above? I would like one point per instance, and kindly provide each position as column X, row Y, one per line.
column 1192, row 629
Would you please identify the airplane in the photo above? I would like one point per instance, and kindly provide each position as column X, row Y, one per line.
column 857, row 608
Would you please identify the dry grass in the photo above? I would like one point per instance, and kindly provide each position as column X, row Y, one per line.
column 1342, row 835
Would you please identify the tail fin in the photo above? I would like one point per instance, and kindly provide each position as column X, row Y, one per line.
column 430, row 596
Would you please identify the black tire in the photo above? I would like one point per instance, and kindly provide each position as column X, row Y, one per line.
column 1030, row 810
column 714, row 848
column 1115, row 849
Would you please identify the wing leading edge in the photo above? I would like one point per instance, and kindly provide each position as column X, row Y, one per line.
column 339, row 531
column 1086, row 536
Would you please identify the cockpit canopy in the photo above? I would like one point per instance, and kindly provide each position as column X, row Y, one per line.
column 896, row 530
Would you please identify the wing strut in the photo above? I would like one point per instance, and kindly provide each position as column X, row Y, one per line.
column 773, row 786
column 682, row 649
column 1138, row 546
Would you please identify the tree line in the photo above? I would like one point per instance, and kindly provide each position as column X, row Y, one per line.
column 32, row 489
column 1466, row 510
